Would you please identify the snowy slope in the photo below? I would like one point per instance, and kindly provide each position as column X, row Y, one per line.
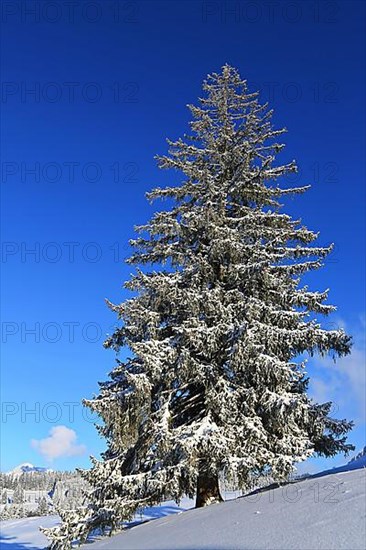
column 319, row 513
column 24, row 534
column 326, row 513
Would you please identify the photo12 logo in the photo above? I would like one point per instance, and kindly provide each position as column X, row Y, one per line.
column 71, row 252
column 51, row 332
column 33, row 92
column 68, row 171
column 269, row 11
column 50, row 412
column 72, row 12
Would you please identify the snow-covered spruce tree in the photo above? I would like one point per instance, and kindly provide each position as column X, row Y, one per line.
column 212, row 385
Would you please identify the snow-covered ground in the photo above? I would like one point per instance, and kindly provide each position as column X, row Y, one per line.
column 318, row 513
column 24, row 534
column 327, row 513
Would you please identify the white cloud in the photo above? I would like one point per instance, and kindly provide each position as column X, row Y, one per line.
column 61, row 442
column 344, row 382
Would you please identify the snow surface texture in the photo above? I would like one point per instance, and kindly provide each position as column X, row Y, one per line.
column 326, row 513
column 24, row 534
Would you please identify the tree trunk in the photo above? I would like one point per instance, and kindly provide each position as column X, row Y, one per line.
column 208, row 490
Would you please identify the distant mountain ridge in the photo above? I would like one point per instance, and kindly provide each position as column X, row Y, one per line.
column 358, row 461
column 27, row 468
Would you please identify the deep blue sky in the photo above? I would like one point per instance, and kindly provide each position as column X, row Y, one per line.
column 132, row 74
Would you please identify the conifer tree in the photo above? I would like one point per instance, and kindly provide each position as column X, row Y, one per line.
column 214, row 384
column 4, row 513
column 18, row 495
column 43, row 508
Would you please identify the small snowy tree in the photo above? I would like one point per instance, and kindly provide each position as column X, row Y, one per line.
column 4, row 513
column 213, row 385
column 18, row 495
column 42, row 508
